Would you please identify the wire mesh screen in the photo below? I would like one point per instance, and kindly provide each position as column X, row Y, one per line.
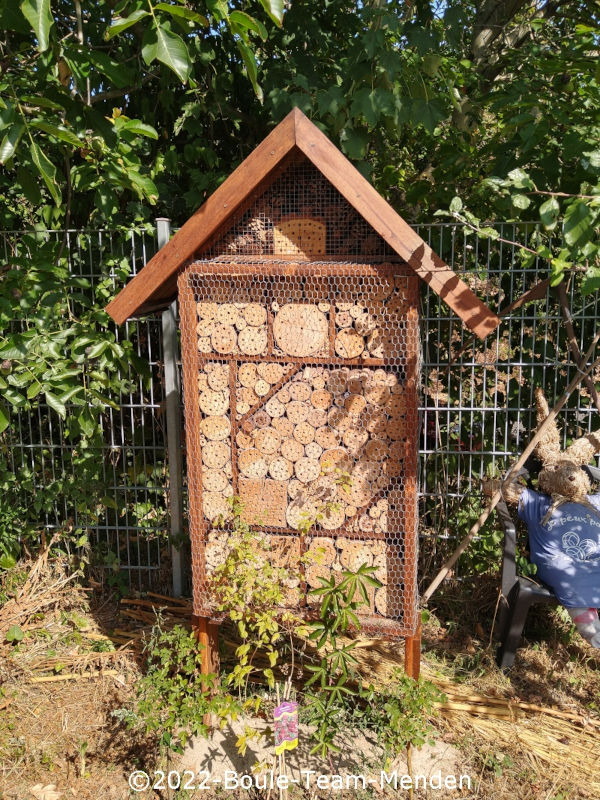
column 128, row 533
column 478, row 403
column 300, row 212
column 301, row 398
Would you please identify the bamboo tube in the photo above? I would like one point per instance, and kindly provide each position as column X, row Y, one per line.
column 176, row 600
column 511, row 474
column 488, row 711
column 74, row 676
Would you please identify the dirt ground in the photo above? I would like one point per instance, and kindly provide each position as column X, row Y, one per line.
column 61, row 738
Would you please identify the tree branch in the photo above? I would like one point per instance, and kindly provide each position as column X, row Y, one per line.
column 110, row 95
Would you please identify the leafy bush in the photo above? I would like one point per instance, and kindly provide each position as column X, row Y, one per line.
column 173, row 695
column 59, row 357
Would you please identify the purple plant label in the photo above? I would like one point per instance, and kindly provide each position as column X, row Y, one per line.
column 285, row 719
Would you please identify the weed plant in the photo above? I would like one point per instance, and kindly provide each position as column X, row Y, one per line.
column 175, row 699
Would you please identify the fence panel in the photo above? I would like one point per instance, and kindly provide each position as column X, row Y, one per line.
column 131, row 532
column 478, row 407
column 477, row 410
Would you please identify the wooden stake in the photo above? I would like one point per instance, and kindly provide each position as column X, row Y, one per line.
column 512, row 472
column 207, row 634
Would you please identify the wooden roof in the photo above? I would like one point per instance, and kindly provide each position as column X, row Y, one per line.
column 156, row 285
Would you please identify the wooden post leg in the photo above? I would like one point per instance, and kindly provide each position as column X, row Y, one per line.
column 207, row 634
column 412, row 654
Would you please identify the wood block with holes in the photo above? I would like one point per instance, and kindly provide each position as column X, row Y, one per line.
column 265, row 502
column 299, row 237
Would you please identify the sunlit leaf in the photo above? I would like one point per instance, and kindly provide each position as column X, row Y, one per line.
column 182, row 12
column 4, row 417
column 274, row 9
column 549, row 212
column 251, row 67
column 39, row 16
column 10, row 142
column 59, row 132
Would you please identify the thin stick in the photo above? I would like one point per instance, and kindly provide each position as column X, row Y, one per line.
column 512, row 473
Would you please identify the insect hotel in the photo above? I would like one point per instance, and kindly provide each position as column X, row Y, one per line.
column 298, row 290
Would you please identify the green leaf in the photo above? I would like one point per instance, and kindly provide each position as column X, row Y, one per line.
column 41, row 102
column 578, row 224
column 7, row 562
column 101, row 125
column 15, row 347
column 97, row 349
column 218, row 8
column 165, row 46
column 109, row 502
column 520, row 179
column 136, row 126
column 10, row 142
column 4, row 417
column 14, row 634
column 549, row 212
column 274, row 9
column 185, row 13
column 29, row 185
column 330, row 101
column 33, row 390
column 115, row 72
column 354, row 142
column 558, row 267
column 120, row 24
column 12, row 19
column 520, row 201
column 15, row 398
column 425, row 616
column 593, row 158
column 47, row 171
column 143, row 185
column 364, row 102
column 427, row 113
column 431, row 64
column 251, row 67
column 591, row 281
column 246, row 21
column 59, row 132
column 39, row 16
column 87, row 423
column 456, row 204
column 56, row 404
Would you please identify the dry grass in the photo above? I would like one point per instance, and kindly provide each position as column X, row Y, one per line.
column 538, row 755
column 511, row 750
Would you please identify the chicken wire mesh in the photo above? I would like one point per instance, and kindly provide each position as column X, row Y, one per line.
column 301, row 398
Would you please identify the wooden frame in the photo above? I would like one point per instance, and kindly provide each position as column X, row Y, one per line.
column 293, row 140
column 157, row 281
column 193, row 362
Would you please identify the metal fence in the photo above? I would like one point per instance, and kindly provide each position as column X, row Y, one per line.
column 476, row 410
column 131, row 533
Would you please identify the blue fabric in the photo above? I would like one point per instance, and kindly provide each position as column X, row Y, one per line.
column 566, row 550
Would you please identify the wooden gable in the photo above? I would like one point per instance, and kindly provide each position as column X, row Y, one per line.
column 293, row 139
